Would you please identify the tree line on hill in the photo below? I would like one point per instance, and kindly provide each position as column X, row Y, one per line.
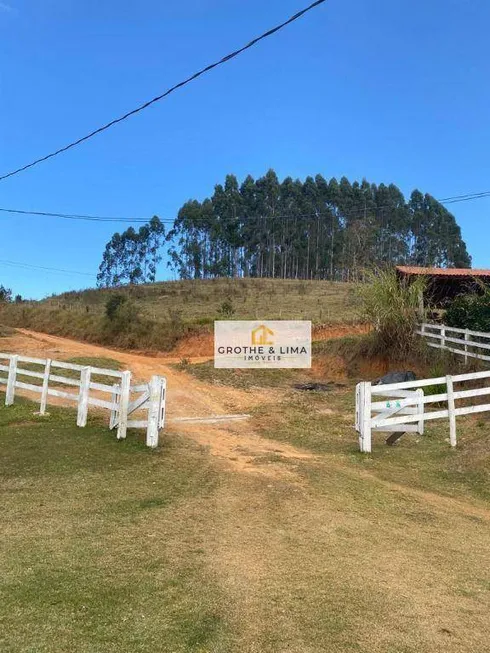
column 133, row 256
column 311, row 229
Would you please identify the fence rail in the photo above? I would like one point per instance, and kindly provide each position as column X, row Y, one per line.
column 440, row 336
column 404, row 407
column 122, row 399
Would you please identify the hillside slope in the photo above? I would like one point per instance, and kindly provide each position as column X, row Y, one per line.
column 156, row 316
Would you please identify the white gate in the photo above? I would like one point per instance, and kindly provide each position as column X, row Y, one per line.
column 152, row 399
column 152, row 395
column 394, row 404
column 407, row 405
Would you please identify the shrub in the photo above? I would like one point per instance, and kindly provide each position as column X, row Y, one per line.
column 113, row 304
column 122, row 324
column 226, row 309
column 391, row 306
column 470, row 311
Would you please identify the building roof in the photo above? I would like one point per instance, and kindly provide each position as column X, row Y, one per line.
column 467, row 273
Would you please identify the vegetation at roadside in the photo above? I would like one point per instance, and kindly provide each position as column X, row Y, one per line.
column 322, row 421
column 156, row 316
column 391, row 306
column 470, row 311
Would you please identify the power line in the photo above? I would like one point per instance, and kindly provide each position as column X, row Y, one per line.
column 139, row 220
column 381, row 208
column 190, row 79
column 468, row 198
column 243, row 218
column 96, row 218
column 71, row 216
column 465, row 196
column 40, row 267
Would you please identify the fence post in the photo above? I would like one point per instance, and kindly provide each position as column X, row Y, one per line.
column 155, row 388
column 115, row 407
column 420, row 408
column 451, row 408
column 83, row 397
column 124, row 405
column 466, row 337
column 364, row 417
column 44, row 393
column 163, row 401
column 358, row 412
column 443, row 337
column 10, row 394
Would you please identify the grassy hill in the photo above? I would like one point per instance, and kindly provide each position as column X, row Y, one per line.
column 156, row 315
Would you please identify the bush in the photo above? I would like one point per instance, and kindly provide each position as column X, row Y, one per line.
column 122, row 322
column 113, row 304
column 226, row 309
column 470, row 311
column 391, row 306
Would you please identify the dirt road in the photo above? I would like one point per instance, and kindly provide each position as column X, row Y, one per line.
column 234, row 442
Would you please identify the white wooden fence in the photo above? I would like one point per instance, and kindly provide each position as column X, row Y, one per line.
column 459, row 341
column 121, row 398
column 403, row 408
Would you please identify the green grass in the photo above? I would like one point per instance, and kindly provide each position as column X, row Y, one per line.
column 96, row 361
column 323, row 423
column 244, row 379
column 93, row 559
column 100, row 362
column 110, row 547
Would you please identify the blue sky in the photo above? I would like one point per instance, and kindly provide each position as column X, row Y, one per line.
column 390, row 91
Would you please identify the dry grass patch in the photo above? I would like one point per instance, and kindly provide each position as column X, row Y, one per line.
column 6, row 332
column 161, row 314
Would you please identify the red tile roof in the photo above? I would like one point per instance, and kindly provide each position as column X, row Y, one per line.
column 443, row 272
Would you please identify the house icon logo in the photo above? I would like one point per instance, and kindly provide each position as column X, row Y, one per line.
column 262, row 335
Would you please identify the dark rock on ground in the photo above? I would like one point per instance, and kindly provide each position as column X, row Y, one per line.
column 396, row 377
